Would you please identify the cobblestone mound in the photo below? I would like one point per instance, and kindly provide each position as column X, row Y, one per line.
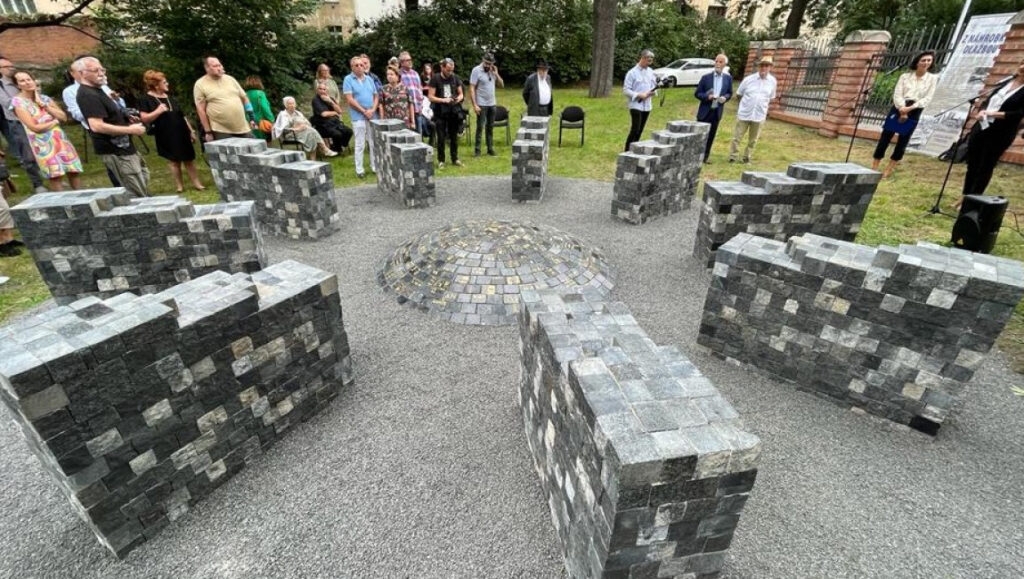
column 474, row 272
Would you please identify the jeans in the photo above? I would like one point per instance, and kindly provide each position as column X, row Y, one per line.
column 485, row 118
column 447, row 129
column 637, row 122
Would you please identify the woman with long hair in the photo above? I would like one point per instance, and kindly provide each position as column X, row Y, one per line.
column 998, row 117
column 264, row 116
column 323, row 75
column 41, row 117
column 170, row 127
column 913, row 92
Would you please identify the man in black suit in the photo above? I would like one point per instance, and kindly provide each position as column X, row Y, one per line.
column 537, row 93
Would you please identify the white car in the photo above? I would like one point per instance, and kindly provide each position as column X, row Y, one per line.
column 685, row 71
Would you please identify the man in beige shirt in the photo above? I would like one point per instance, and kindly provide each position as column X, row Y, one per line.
column 224, row 109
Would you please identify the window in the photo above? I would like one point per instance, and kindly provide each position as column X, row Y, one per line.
column 17, row 7
column 716, row 11
column 335, row 31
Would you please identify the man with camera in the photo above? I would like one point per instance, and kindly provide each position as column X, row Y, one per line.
column 640, row 88
column 445, row 94
column 482, row 82
column 112, row 128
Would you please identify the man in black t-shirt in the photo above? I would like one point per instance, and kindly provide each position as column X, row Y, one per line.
column 445, row 94
column 111, row 129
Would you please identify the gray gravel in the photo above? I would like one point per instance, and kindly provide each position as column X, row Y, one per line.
column 421, row 468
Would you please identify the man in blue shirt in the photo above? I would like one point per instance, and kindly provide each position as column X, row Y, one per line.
column 361, row 94
column 640, row 87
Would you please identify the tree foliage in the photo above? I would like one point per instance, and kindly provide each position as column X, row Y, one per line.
column 897, row 16
column 251, row 37
column 671, row 34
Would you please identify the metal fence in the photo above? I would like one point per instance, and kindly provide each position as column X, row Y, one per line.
column 886, row 67
column 808, row 79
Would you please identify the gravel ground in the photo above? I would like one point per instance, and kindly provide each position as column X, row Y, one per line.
column 420, row 469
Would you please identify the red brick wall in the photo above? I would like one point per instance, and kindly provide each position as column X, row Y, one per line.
column 849, row 79
column 46, row 46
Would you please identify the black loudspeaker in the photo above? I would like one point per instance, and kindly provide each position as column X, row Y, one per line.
column 977, row 226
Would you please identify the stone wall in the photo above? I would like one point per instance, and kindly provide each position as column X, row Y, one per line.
column 406, row 163
column 659, row 176
column 530, row 159
column 139, row 406
column 101, row 242
column 828, row 199
column 897, row 332
column 645, row 466
column 294, row 197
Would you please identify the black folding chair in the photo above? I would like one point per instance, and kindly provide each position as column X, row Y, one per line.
column 572, row 118
column 501, row 120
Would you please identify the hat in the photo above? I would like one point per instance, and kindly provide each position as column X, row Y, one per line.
column 765, row 60
column 541, row 63
column 489, row 58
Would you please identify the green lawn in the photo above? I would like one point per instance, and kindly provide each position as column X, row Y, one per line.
column 898, row 213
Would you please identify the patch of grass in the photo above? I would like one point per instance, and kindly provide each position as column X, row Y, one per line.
column 898, row 213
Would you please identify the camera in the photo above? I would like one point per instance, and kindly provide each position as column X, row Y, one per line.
column 664, row 82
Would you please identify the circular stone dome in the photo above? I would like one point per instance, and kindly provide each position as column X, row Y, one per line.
column 474, row 272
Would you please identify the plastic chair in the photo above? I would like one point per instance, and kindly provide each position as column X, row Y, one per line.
column 572, row 118
column 501, row 120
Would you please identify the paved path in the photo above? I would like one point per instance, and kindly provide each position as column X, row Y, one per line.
column 421, row 468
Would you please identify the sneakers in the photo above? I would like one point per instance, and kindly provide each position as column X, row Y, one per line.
column 731, row 160
column 329, row 153
column 16, row 243
column 491, row 154
column 361, row 175
column 440, row 165
column 457, row 163
column 9, row 250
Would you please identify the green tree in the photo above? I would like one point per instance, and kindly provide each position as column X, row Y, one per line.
column 251, row 37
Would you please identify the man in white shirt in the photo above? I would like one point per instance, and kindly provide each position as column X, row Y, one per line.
column 640, row 87
column 755, row 92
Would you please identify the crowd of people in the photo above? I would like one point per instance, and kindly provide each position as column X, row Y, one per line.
column 430, row 101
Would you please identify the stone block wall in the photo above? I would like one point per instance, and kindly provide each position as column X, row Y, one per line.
column 140, row 406
column 827, row 199
column 406, row 163
column 659, row 176
column 646, row 467
column 897, row 332
column 294, row 197
column 101, row 242
column 530, row 159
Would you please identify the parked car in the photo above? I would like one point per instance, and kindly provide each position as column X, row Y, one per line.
column 685, row 71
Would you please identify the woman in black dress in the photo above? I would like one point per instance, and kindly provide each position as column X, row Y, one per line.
column 167, row 122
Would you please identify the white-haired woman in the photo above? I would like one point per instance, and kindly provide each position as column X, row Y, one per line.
column 292, row 124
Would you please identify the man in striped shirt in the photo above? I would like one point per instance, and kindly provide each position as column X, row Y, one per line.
column 411, row 80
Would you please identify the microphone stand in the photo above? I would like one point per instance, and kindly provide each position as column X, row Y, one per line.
column 864, row 91
column 936, row 209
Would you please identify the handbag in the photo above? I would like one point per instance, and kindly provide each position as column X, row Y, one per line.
column 265, row 126
column 957, row 152
column 895, row 125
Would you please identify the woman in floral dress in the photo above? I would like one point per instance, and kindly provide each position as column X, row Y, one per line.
column 394, row 100
column 41, row 118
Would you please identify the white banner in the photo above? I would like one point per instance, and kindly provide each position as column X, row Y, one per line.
column 962, row 79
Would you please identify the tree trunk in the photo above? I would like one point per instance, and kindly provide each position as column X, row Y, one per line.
column 796, row 18
column 603, row 60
